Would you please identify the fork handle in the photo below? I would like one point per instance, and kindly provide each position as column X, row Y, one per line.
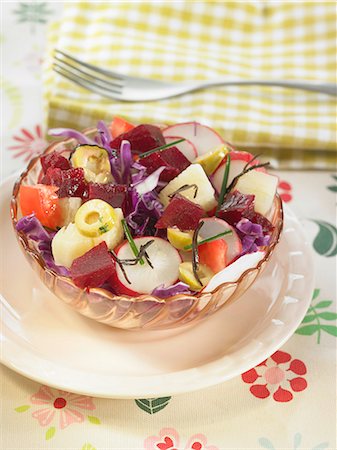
column 314, row 86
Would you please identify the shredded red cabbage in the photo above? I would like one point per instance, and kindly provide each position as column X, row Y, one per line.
column 178, row 288
column 33, row 229
column 70, row 133
column 146, row 209
column 104, row 135
column 251, row 235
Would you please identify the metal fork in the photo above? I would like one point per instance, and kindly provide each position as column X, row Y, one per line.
column 135, row 89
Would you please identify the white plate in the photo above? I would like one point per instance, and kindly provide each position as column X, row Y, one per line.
column 42, row 339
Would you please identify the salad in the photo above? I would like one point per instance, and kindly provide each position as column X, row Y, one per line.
column 142, row 209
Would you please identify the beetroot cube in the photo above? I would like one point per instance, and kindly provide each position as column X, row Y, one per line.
column 181, row 213
column 114, row 194
column 53, row 160
column 71, row 182
column 154, row 161
column 171, row 158
column 142, row 138
column 235, row 207
column 93, row 268
column 255, row 217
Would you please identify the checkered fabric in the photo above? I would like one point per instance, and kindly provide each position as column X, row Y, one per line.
column 206, row 40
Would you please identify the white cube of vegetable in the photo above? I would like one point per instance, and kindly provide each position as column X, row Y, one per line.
column 260, row 184
column 69, row 244
column 192, row 175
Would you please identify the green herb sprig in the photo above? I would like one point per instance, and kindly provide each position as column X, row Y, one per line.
column 195, row 254
column 224, row 183
column 210, row 239
column 131, row 241
column 159, row 149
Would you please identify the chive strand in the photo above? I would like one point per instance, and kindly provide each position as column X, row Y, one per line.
column 224, row 182
column 131, row 241
column 210, row 239
column 163, row 147
column 195, row 254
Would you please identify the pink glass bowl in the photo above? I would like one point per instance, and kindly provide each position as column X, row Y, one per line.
column 145, row 311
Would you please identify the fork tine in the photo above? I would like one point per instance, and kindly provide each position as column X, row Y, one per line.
column 115, row 85
column 90, row 86
column 91, row 66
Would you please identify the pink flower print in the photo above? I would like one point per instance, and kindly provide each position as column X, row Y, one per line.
column 277, row 375
column 29, row 144
column 63, row 406
column 285, row 191
column 168, row 439
column 199, row 442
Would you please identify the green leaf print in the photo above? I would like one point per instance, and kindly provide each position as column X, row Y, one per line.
column 325, row 242
column 152, row 405
column 94, row 420
column 50, row 433
column 23, row 408
column 88, row 447
column 333, row 188
column 314, row 314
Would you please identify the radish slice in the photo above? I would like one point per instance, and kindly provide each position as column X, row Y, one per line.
column 186, row 147
column 213, row 226
column 164, row 258
column 234, row 271
column 238, row 162
column 202, row 137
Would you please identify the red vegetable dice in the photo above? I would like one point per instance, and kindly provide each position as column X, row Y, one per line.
column 53, row 160
column 93, row 268
column 142, row 138
column 181, row 213
column 114, row 194
column 171, row 158
column 236, row 206
column 71, row 182
column 213, row 254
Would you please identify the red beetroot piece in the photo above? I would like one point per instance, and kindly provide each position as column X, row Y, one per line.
column 181, row 213
column 142, row 138
column 114, row 194
column 171, row 158
column 71, row 182
column 236, row 206
column 93, row 268
column 53, row 160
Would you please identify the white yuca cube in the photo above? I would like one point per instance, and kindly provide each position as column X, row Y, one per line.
column 193, row 175
column 260, row 184
column 114, row 236
column 69, row 244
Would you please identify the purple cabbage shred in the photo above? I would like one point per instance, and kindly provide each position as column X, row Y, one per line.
column 251, row 235
column 32, row 228
column 68, row 133
column 146, row 209
column 178, row 288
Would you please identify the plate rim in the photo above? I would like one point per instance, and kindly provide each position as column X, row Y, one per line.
column 183, row 387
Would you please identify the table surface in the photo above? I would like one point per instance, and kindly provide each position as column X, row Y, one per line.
column 234, row 415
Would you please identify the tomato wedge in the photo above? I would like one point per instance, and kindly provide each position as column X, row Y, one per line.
column 43, row 201
column 119, row 126
column 213, row 254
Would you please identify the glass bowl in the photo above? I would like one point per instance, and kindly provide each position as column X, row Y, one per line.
column 145, row 311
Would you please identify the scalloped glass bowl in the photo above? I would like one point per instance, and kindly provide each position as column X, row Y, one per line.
column 145, row 311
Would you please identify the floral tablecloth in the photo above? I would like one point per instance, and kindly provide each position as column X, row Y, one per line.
column 286, row 402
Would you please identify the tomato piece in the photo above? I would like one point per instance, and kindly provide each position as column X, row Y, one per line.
column 119, row 126
column 213, row 254
column 42, row 200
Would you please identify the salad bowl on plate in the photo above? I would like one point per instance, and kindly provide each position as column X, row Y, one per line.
column 142, row 227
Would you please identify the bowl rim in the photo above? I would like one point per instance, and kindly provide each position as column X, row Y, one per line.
column 30, row 250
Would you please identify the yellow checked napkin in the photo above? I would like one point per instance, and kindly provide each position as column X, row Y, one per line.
column 207, row 40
